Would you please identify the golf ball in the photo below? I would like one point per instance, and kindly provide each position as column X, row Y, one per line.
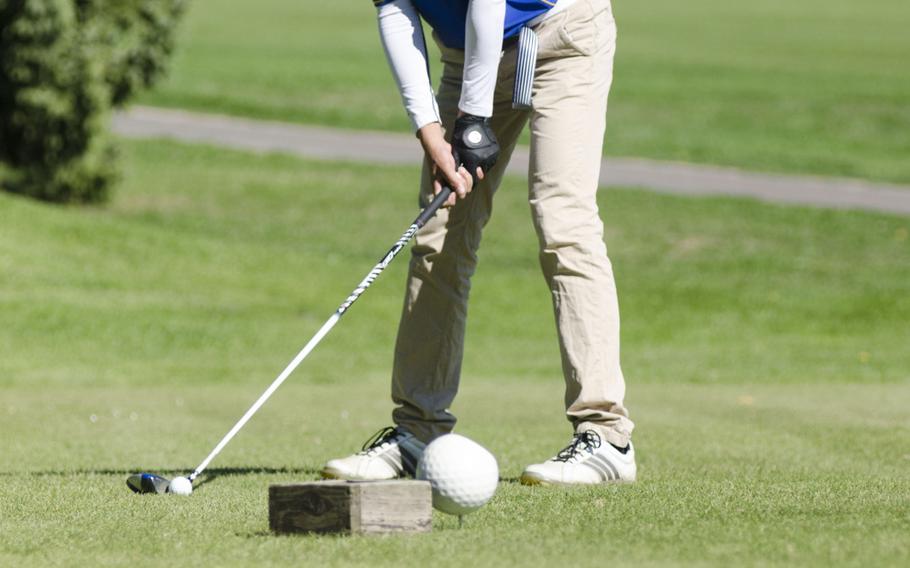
column 462, row 473
column 180, row 486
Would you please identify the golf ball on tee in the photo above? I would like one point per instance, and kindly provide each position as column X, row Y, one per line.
column 180, row 486
column 462, row 473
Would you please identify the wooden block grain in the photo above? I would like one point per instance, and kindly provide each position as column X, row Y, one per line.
column 352, row 507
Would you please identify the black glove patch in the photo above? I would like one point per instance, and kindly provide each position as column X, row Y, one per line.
column 474, row 144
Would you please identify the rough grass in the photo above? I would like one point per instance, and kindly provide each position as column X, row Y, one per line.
column 806, row 87
column 224, row 261
column 765, row 349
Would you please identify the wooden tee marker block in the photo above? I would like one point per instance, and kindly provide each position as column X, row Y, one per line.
column 352, row 507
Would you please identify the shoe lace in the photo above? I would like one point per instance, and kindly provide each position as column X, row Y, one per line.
column 380, row 438
column 586, row 441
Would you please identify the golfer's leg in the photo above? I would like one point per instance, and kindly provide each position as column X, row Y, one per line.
column 573, row 80
column 429, row 348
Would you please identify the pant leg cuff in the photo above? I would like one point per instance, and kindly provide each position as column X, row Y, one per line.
column 613, row 434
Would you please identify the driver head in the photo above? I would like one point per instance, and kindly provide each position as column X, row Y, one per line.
column 148, row 483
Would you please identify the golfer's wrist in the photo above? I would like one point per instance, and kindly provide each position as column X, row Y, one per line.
column 432, row 138
column 430, row 133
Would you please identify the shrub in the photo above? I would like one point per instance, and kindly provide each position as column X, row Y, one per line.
column 63, row 64
column 138, row 38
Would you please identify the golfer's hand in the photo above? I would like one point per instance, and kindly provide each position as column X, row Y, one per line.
column 445, row 172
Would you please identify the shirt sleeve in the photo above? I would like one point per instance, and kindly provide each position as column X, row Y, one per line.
column 483, row 49
column 405, row 48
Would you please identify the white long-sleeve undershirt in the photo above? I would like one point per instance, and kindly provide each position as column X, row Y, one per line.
column 482, row 50
column 402, row 38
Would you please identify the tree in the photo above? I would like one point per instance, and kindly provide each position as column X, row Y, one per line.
column 63, row 65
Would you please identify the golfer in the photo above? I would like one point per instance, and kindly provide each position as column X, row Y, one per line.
column 506, row 63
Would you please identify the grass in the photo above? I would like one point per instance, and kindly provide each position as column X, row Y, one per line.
column 725, row 480
column 807, row 87
column 765, row 349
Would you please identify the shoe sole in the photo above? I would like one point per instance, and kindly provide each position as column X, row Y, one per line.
column 334, row 474
column 327, row 474
column 531, row 480
column 527, row 479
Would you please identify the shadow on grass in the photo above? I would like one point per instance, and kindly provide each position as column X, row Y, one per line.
column 209, row 473
column 207, row 477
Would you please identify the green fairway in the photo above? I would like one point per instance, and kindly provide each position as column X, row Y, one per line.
column 729, row 476
column 764, row 347
column 807, row 87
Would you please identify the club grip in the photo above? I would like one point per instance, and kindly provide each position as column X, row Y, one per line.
column 434, row 205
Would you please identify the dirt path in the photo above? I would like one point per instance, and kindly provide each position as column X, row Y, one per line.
column 391, row 148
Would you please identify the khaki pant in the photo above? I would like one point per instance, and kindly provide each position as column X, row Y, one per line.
column 573, row 76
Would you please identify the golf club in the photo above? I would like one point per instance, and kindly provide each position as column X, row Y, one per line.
column 151, row 483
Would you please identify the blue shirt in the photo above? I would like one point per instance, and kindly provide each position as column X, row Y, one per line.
column 447, row 17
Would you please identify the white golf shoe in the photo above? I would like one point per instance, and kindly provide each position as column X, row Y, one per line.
column 586, row 460
column 388, row 454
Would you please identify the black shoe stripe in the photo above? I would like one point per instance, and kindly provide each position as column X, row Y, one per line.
column 596, row 466
column 392, row 462
column 603, row 460
column 608, row 473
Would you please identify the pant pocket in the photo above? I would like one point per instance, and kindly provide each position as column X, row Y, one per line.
column 576, row 31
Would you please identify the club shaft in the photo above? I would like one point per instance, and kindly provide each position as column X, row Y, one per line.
column 421, row 219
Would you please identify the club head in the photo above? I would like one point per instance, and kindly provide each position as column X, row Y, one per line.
column 148, row 483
